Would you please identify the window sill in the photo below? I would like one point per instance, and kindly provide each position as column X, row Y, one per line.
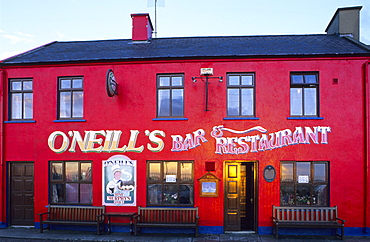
column 20, row 122
column 305, row 118
column 170, row 119
column 69, row 120
column 242, row 118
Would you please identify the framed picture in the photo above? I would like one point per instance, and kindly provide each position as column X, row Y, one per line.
column 208, row 185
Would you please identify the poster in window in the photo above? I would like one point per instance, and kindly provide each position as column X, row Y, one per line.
column 303, row 179
column 119, row 181
column 170, row 178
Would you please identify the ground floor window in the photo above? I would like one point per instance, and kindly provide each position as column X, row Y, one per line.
column 170, row 183
column 70, row 182
column 304, row 183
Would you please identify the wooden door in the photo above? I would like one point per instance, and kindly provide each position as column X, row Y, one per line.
column 240, row 196
column 21, row 193
column 232, row 196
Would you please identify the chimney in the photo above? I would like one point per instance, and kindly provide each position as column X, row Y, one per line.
column 142, row 27
column 345, row 22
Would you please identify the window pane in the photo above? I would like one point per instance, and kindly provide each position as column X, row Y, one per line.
column 287, row 172
column 16, row 106
column 71, row 171
column 319, row 196
column 186, row 194
column 303, row 195
column 164, row 81
column 78, row 104
column 164, row 102
column 296, row 101
column 65, row 105
column 57, row 191
column 247, row 101
column 77, row 83
column 170, row 194
column 297, row 79
column 247, row 80
column 310, row 78
column 177, row 81
column 16, row 86
column 65, row 83
column 177, row 102
column 303, row 172
column 170, row 168
column 154, row 171
column 27, row 85
column 85, row 172
column 233, row 102
column 72, row 192
column 155, row 194
column 28, row 106
column 86, row 193
column 234, row 80
column 310, row 101
column 186, row 171
column 287, row 195
column 319, row 173
column 56, row 171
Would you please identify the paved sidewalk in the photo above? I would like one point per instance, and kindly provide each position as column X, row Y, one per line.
column 32, row 234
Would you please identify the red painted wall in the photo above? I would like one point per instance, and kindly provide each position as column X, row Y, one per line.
column 341, row 106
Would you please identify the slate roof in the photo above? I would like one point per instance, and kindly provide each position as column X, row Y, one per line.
column 193, row 48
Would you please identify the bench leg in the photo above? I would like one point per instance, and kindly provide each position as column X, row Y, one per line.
column 42, row 227
column 276, row 232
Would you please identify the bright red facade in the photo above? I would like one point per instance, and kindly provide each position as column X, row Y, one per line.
column 344, row 107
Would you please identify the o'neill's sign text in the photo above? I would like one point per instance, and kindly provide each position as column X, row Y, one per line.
column 237, row 142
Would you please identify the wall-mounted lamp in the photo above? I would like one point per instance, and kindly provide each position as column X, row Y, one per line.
column 206, row 73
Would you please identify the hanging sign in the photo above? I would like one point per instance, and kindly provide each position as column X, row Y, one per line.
column 119, row 181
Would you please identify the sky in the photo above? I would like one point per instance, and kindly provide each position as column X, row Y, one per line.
column 27, row 24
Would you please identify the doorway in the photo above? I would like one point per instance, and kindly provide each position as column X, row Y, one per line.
column 240, row 188
column 20, row 189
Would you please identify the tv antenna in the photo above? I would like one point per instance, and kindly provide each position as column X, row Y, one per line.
column 159, row 3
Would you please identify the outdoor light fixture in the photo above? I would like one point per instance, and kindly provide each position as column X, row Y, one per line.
column 206, row 73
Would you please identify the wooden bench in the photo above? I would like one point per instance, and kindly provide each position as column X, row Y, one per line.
column 73, row 215
column 307, row 217
column 166, row 217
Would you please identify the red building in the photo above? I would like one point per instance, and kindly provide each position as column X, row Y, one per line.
column 278, row 120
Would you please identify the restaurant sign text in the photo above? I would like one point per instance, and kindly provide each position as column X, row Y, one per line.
column 227, row 141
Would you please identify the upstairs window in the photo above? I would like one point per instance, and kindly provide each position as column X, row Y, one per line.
column 304, row 94
column 71, row 96
column 170, row 183
column 170, row 95
column 304, row 183
column 241, row 95
column 21, row 99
